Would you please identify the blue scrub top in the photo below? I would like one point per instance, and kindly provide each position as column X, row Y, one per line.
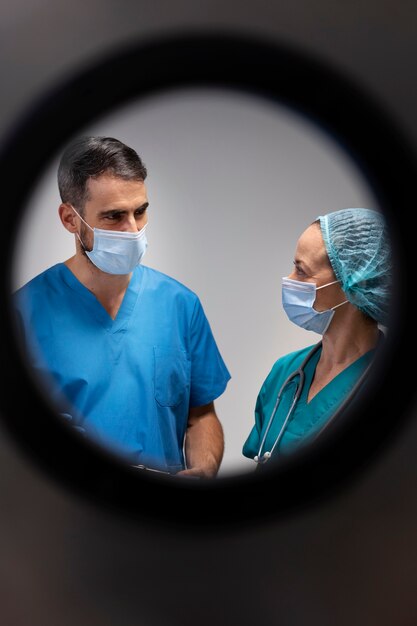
column 308, row 417
column 130, row 381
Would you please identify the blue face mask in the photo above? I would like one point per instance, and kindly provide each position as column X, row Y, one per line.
column 115, row 251
column 298, row 298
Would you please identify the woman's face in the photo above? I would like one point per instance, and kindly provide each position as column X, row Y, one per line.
column 311, row 264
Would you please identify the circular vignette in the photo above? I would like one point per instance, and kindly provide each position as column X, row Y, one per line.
column 371, row 138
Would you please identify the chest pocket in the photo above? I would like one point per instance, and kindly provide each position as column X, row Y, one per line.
column 172, row 376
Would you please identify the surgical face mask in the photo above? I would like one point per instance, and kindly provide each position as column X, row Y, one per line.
column 115, row 251
column 298, row 298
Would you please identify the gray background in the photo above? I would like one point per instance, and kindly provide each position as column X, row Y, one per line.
column 348, row 560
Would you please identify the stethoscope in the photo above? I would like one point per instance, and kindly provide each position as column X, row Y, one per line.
column 300, row 373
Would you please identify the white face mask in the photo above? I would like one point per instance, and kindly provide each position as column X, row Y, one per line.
column 298, row 298
column 115, row 251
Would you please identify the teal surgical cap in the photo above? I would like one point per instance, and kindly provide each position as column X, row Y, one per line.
column 358, row 247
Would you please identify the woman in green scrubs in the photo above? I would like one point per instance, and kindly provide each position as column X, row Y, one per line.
column 339, row 288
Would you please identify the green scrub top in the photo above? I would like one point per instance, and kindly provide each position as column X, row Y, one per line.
column 308, row 417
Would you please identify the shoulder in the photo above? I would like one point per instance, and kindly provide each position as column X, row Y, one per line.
column 281, row 369
column 38, row 282
column 288, row 363
column 164, row 282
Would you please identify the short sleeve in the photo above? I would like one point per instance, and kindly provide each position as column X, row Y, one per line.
column 209, row 374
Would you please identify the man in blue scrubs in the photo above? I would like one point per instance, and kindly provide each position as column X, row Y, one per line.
column 129, row 348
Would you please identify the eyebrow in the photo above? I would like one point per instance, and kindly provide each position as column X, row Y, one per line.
column 301, row 264
column 109, row 211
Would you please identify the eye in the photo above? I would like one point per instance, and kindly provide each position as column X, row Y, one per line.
column 298, row 270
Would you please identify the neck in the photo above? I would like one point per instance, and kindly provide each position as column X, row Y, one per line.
column 347, row 339
column 345, row 342
column 109, row 289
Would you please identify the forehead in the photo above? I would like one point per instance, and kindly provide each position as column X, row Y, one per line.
column 310, row 247
column 111, row 191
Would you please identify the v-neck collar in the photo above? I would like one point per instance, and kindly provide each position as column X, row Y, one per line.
column 127, row 306
column 351, row 372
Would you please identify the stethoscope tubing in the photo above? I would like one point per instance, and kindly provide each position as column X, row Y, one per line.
column 262, row 458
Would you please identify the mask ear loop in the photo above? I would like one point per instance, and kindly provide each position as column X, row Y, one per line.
column 337, row 305
column 328, row 285
column 79, row 238
column 83, row 220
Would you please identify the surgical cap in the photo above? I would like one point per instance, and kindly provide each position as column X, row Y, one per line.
column 358, row 247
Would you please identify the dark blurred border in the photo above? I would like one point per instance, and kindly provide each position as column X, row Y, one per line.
column 371, row 138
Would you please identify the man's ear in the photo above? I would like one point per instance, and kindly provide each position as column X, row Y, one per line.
column 68, row 217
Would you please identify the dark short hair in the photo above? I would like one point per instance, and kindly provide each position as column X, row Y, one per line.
column 90, row 157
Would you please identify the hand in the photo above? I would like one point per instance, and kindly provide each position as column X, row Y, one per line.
column 69, row 418
column 196, row 472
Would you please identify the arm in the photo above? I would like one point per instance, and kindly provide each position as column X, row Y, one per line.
column 204, row 442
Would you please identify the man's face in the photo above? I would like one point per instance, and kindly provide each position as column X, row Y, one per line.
column 113, row 204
